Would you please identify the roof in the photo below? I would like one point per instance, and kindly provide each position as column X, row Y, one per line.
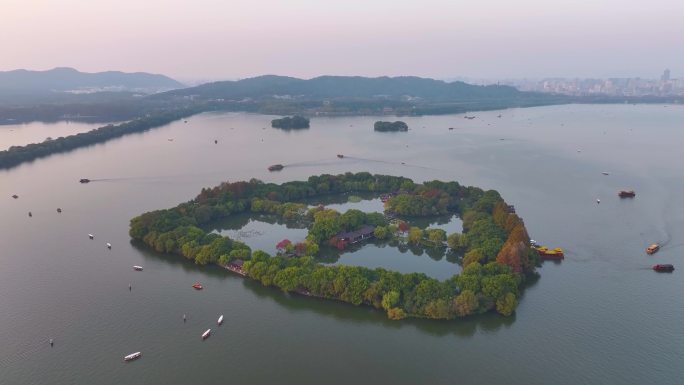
column 237, row 262
column 365, row 230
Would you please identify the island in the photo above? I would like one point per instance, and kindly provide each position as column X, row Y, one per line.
column 497, row 257
column 390, row 126
column 290, row 123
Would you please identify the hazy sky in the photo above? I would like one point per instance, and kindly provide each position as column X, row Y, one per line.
column 225, row 39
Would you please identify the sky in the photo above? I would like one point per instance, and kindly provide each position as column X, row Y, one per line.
column 194, row 40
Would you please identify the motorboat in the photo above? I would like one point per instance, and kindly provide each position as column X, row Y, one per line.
column 132, row 356
column 663, row 267
column 220, row 320
column 197, row 286
column 138, row 268
column 652, row 249
column 206, row 334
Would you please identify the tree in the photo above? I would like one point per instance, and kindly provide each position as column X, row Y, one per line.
column 380, row 232
column 415, row 235
column 437, row 236
column 390, row 299
column 396, row 313
column 506, row 304
column 466, row 303
column 473, row 256
column 456, row 241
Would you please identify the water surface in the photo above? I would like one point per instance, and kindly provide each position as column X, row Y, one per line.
column 599, row 317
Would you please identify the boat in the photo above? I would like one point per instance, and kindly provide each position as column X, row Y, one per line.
column 598, row 201
column 132, row 356
column 275, row 167
column 663, row 267
column 91, row 236
column 197, row 286
column 109, row 245
column 340, row 156
column 138, row 268
column 605, row 173
column 652, row 249
column 550, row 254
column 59, row 210
column 30, row 214
column 206, row 334
column 84, row 180
column 626, row 194
column 15, row 196
column 220, row 320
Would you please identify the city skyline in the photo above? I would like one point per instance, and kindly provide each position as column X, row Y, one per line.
column 214, row 40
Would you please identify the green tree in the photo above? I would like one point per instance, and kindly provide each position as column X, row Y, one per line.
column 466, row 303
column 506, row 305
column 390, row 299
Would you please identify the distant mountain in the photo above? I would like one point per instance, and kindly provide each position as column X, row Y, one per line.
column 22, row 82
column 346, row 87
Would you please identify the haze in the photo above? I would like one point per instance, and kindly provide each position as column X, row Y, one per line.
column 214, row 39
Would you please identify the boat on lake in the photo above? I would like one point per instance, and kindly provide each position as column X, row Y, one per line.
column 547, row 254
column 59, row 210
column 605, row 173
column 91, row 236
column 84, row 180
column 340, row 156
column 109, row 245
column 275, row 167
column 626, row 194
column 206, row 334
column 652, row 249
column 138, row 268
column 663, row 267
column 132, row 356
column 197, row 286
column 220, row 320
column 15, row 196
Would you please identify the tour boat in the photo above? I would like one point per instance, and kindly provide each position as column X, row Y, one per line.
column 554, row 255
column 275, row 167
column 663, row 267
column 652, row 249
column 91, row 236
column 220, row 320
column 627, row 194
column 138, row 268
column 206, row 334
column 84, row 180
column 197, row 286
column 133, row 356
column 109, row 245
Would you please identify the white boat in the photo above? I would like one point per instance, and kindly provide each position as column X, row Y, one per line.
column 109, row 245
column 132, row 356
column 139, row 268
column 91, row 236
column 220, row 320
column 206, row 334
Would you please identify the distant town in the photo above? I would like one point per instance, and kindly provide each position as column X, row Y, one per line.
column 665, row 85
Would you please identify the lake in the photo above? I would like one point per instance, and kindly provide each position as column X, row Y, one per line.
column 601, row 316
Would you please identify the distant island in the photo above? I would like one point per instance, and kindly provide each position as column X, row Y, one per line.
column 390, row 126
column 290, row 123
column 497, row 257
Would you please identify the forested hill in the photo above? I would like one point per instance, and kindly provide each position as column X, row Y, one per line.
column 68, row 79
column 348, row 87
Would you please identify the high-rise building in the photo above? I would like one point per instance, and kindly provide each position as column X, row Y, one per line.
column 666, row 75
